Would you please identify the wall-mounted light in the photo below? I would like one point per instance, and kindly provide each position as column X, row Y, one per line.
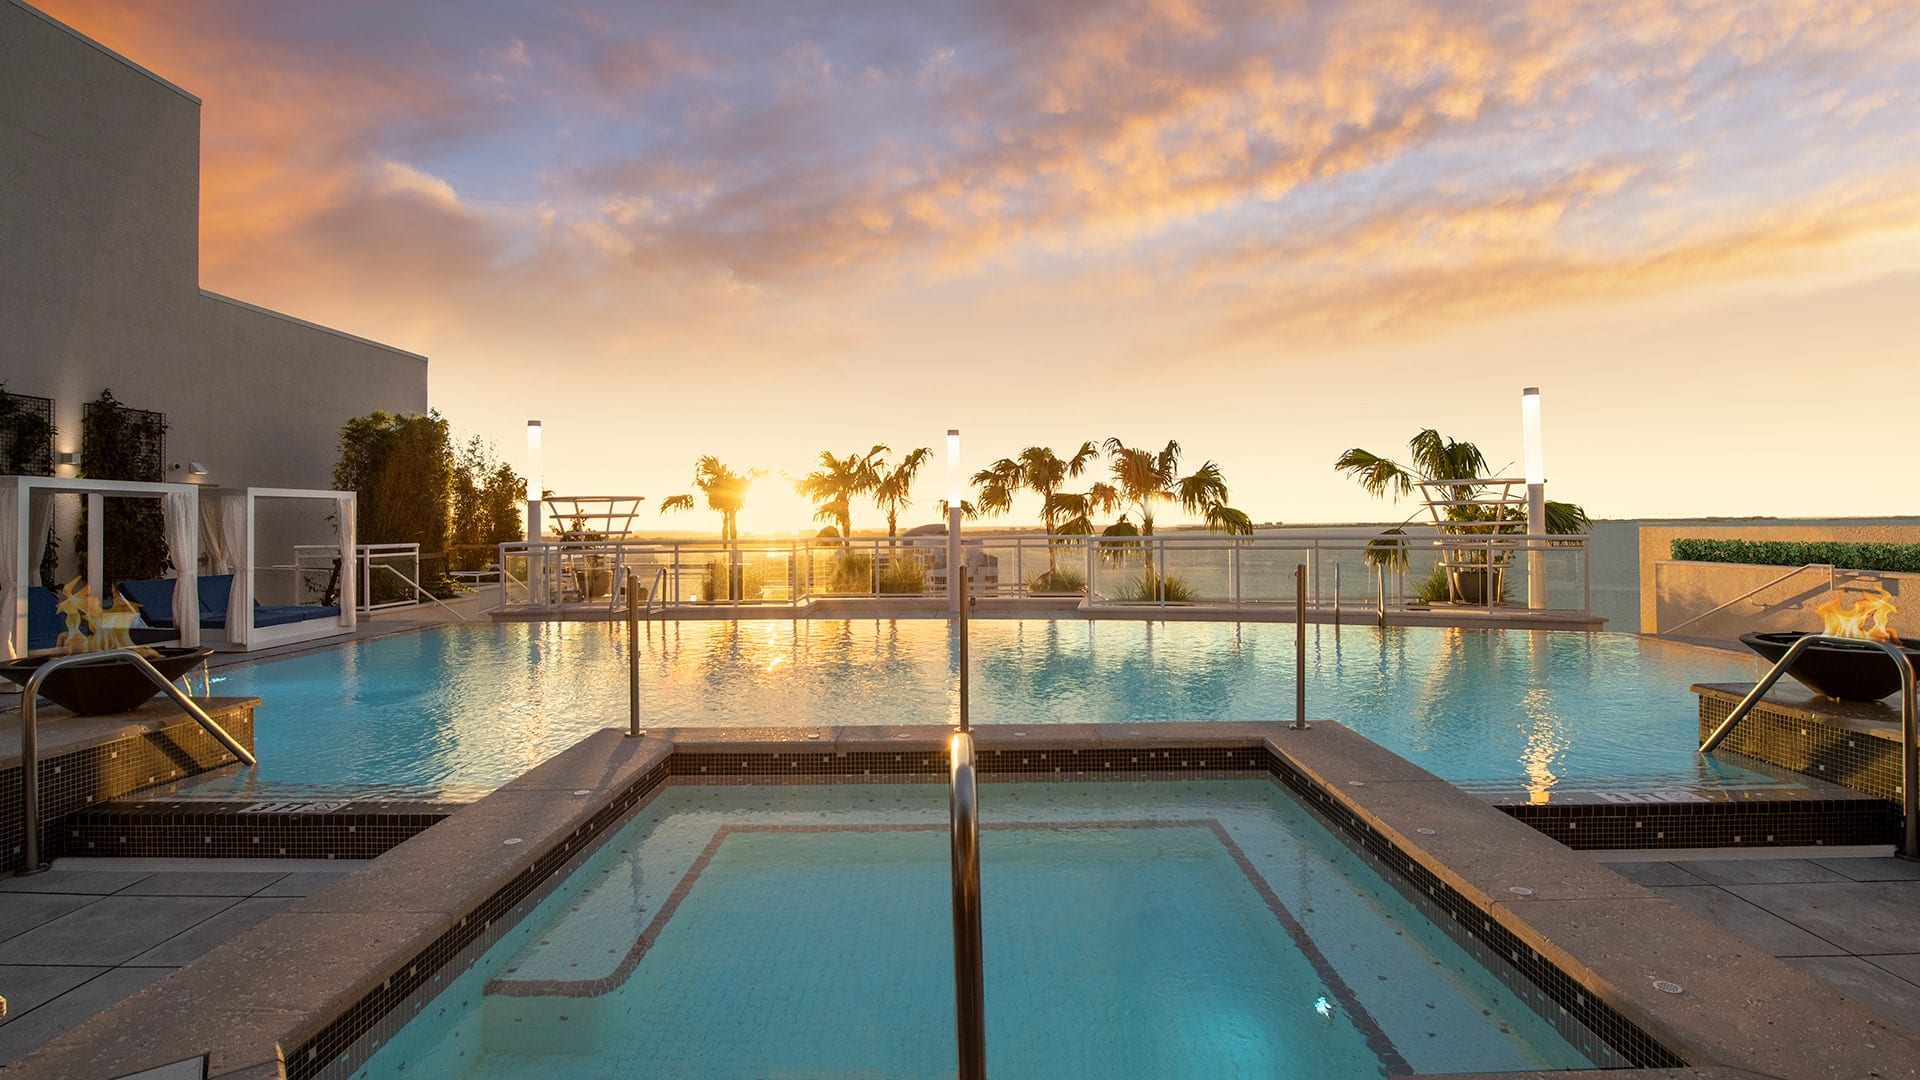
column 67, row 457
column 196, row 472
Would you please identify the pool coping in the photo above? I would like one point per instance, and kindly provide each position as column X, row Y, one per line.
column 336, row 971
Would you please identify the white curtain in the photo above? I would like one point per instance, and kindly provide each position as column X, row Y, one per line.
column 233, row 529
column 344, row 531
column 213, row 537
column 39, row 531
column 179, row 515
column 11, row 591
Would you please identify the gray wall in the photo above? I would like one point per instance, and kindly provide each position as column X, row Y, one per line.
column 99, row 277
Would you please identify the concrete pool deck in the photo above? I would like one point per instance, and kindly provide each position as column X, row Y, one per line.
column 1739, row 1008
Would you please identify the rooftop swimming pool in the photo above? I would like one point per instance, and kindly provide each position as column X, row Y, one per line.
column 460, row 710
column 1131, row 928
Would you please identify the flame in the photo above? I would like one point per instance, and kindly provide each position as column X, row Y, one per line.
column 111, row 627
column 1870, row 616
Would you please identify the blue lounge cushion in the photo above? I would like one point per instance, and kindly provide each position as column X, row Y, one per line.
column 154, row 597
column 44, row 622
column 281, row 615
column 216, row 590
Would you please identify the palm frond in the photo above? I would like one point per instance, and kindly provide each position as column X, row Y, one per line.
column 1377, row 475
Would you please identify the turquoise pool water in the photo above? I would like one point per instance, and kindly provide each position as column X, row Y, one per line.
column 1131, row 929
column 462, row 710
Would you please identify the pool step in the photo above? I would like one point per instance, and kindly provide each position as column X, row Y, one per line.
column 304, row 828
column 1685, row 819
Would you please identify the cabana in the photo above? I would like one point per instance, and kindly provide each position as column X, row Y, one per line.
column 26, row 524
column 287, row 606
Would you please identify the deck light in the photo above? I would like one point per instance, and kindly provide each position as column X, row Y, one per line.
column 1536, row 472
column 534, row 488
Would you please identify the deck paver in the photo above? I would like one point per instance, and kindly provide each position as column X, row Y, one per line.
column 29, row 986
column 1743, row 919
column 1862, row 917
column 72, row 1008
column 1762, row 871
column 111, row 930
column 191, row 943
column 1652, row 874
column 78, row 882
column 21, row 912
column 201, row 883
column 1891, row 996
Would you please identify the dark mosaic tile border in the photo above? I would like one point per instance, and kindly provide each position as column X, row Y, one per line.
column 349, row 1039
column 1803, row 822
column 73, row 781
column 305, row 829
column 920, row 765
column 1787, row 738
column 1376, row 1037
column 1608, row 1039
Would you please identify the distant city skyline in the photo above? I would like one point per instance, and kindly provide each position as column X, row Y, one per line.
column 1271, row 232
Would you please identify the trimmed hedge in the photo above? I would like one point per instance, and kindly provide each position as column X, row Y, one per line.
column 1899, row 558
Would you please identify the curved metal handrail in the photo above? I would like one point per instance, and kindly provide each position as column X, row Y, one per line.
column 969, row 980
column 30, row 733
column 1909, row 736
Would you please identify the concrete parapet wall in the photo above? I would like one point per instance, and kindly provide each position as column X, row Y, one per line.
column 1672, row 592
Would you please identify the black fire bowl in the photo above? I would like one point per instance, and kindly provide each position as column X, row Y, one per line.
column 1844, row 672
column 110, row 686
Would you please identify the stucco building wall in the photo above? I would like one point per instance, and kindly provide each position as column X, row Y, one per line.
column 99, row 277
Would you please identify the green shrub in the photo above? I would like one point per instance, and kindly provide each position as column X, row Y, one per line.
column 851, row 573
column 1149, row 589
column 1060, row 582
column 1899, row 558
column 905, row 574
column 1433, row 589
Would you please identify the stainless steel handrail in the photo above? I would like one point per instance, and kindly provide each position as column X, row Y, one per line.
column 1833, row 584
column 656, row 590
column 1909, row 736
column 30, row 734
column 969, row 978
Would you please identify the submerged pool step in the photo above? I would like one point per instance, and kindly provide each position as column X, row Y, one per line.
column 306, row 827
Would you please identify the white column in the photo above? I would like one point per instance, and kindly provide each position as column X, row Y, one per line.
column 953, row 519
column 536, row 564
column 1536, row 498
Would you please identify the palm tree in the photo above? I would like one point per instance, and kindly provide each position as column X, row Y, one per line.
column 1433, row 456
column 833, row 486
column 891, row 492
column 1039, row 470
column 1143, row 479
column 726, row 491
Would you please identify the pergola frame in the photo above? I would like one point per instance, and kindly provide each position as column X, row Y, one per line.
column 96, row 492
column 241, row 633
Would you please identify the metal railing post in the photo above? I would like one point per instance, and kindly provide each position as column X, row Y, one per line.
column 633, row 654
column 969, row 978
column 1300, row 646
column 30, row 735
column 962, row 627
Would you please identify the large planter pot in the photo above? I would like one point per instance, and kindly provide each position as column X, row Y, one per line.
column 108, row 686
column 1470, row 585
column 1844, row 672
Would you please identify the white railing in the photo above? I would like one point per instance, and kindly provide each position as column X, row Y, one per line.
column 1365, row 573
column 389, row 570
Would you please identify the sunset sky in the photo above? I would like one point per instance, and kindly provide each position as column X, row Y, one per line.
column 1270, row 231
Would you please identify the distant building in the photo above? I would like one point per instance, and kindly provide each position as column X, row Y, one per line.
column 99, row 278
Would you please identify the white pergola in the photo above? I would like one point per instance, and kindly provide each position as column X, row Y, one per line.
column 231, row 517
column 26, row 517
